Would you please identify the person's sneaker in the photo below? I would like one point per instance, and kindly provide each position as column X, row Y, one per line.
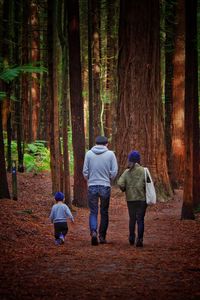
column 57, row 242
column 102, row 240
column 139, row 243
column 131, row 242
column 94, row 239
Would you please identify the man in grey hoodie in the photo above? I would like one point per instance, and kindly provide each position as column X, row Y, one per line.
column 99, row 169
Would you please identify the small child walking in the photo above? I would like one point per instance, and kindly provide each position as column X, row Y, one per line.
column 58, row 216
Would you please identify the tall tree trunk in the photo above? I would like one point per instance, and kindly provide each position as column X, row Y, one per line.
column 110, row 105
column 35, row 56
column 44, row 107
column 90, row 77
column 191, row 178
column 178, row 90
column 18, row 106
column 4, row 191
column 24, row 79
column 9, row 141
column 62, row 33
column 96, row 67
column 140, row 110
column 7, row 55
column 169, row 50
column 53, row 97
column 78, row 136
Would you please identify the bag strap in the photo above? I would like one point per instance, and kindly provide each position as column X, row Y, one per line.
column 145, row 174
column 148, row 178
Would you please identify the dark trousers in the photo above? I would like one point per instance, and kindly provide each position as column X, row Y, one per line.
column 60, row 228
column 94, row 193
column 136, row 211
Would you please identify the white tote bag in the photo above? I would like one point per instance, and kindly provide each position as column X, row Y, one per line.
column 150, row 189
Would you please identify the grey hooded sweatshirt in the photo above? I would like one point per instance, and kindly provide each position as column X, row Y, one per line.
column 100, row 166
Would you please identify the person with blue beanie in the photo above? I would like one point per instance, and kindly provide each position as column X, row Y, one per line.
column 58, row 216
column 132, row 182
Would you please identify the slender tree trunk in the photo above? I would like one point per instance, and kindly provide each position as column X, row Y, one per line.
column 53, row 97
column 110, row 105
column 178, row 90
column 24, row 80
column 169, row 51
column 96, row 67
column 9, row 141
column 62, row 33
column 18, row 104
column 78, row 136
column 4, row 191
column 7, row 55
column 35, row 56
column 191, row 178
column 140, row 110
column 90, row 77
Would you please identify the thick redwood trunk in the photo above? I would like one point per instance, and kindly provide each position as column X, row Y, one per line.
column 78, row 136
column 191, row 178
column 178, row 91
column 140, row 110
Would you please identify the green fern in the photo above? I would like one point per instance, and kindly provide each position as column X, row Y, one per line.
column 9, row 74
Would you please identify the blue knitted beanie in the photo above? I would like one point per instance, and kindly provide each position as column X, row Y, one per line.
column 59, row 196
column 134, row 156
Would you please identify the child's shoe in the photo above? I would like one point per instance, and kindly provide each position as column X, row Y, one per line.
column 57, row 242
column 61, row 238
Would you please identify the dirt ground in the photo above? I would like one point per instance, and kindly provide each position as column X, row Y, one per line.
column 32, row 267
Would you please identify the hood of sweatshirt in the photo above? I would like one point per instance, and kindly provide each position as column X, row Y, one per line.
column 99, row 149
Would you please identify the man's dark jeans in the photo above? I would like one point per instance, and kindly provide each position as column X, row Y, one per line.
column 136, row 211
column 94, row 193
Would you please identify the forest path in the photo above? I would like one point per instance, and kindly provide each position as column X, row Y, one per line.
column 32, row 267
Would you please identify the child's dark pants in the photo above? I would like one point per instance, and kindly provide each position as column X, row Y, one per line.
column 60, row 228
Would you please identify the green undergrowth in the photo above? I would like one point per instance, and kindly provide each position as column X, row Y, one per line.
column 37, row 155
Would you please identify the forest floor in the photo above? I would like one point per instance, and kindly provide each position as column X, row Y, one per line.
column 32, row 267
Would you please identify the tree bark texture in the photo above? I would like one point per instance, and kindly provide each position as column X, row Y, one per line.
column 35, row 56
column 78, row 136
column 140, row 110
column 62, row 33
column 4, row 191
column 169, row 50
column 191, row 174
column 178, row 92
column 24, row 78
column 90, row 77
column 111, row 80
column 97, row 106
column 53, row 98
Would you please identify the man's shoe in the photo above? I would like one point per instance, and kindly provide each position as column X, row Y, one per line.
column 139, row 243
column 94, row 240
column 131, row 242
column 102, row 240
